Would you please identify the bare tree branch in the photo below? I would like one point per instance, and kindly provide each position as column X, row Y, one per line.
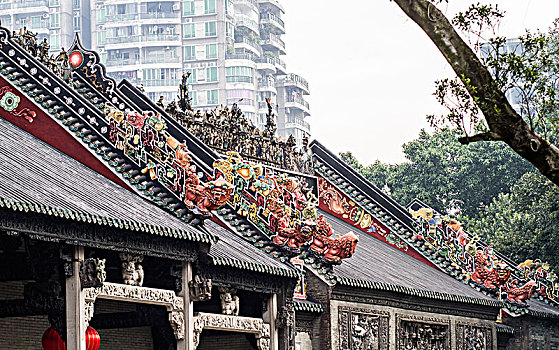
column 502, row 120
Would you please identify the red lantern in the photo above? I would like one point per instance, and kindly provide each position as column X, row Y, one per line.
column 52, row 340
column 92, row 339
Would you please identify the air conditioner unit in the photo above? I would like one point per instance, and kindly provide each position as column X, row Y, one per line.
column 176, row 7
column 101, row 27
column 102, row 50
column 45, row 15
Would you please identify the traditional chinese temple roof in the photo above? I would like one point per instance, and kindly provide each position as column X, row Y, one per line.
column 376, row 265
column 234, row 251
column 38, row 178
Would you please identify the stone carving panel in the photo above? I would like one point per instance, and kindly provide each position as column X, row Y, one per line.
column 92, row 273
column 233, row 324
column 122, row 292
column 362, row 329
column 473, row 337
column 422, row 333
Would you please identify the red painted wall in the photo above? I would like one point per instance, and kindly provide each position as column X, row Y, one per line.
column 47, row 129
column 344, row 208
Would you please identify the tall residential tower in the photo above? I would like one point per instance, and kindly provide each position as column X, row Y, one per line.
column 232, row 49
column 56, row 20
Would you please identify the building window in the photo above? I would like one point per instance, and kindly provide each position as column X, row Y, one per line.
column 55, row 20
column 211, row 51
column 192, row 78
column 209, row 6
column 77, row 21
column 54, row 2
column 101, row 16
column 188, row 30
column 211, row 74
column 210, row 29
column 194, row 96
column 189, row 53
column 36, row 22
column 212, row 97
column 188, row 8
column 239, row 74
column 101, row 37
column 55, row 41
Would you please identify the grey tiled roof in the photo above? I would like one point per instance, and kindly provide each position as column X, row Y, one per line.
column 308, row 306
column 377, row 265
column 235, row 251
column 38, row 178
column 541, row 309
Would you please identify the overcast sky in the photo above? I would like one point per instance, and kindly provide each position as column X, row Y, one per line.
column 371, row 70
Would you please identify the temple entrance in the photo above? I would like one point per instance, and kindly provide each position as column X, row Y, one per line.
column 125, row 325
column 212, row 339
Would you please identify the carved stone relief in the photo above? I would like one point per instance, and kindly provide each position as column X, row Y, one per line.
column 122, row 292
column 229, row 301
column 232, row 323
column 132, row 271
column 473, row 337
column 92, row 273
column 422, row 333
column 200, row 289
column 363, row 329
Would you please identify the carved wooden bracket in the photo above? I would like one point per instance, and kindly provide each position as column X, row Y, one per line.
column 232, row 323
column 144, row 295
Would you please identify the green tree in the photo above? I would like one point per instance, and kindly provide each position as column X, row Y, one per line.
column 478, row 90
column 523, row 224
column 446, row 175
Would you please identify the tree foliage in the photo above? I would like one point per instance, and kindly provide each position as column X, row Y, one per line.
column 446, row 175
column 523, row 224
column 477, row 101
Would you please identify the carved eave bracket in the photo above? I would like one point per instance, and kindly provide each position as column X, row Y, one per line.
column 144, row 295
column 232, row 323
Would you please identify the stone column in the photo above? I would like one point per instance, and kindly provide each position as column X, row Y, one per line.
column 75, row 306
column 188, row 342
column 270, row 317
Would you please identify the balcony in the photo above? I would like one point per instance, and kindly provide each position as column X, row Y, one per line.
column 298, row 103
column 123, row 39
column 160, row 82
column 118, row 19
column 248, row 3
column 159, row 15
column 266, row 64
column 32, row 3
column 161, row 59
column 276, row 23
column 274, row 41
column 245, row 21
column 294, row 122
column 114, row 62
column 295, row 80
column 281, row 68
column 267, row 85
column 275, row 3
column 252, row 45
column 239, row 79
column 240, row 56
column 161, row 37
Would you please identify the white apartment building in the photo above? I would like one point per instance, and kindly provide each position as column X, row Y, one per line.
column 56, row 20
column 232, row 48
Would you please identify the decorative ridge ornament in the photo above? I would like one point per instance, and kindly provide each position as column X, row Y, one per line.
column 468, row 259
column 284, row 207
